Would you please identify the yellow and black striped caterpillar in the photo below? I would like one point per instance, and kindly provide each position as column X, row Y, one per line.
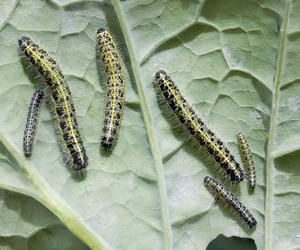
column 196, row 127
column 229, row 199
column 115, row 89
column 61, row 101
column 248, row 161
column 32, row 121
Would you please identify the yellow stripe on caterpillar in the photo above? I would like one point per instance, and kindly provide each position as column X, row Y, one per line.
column 229, row 199
column 248, row 161
column 196, row 127
column 61, row 101
column 115, row 89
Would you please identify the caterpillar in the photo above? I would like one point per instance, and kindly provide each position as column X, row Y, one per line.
column 115, row 89
column 229, row 199
column 61, row 101
column 196, row 127
column 249, row 165
column 32, row 121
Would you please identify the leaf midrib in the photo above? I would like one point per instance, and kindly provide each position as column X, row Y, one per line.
column 272, row 130
column 50, row 199
column 167, row 233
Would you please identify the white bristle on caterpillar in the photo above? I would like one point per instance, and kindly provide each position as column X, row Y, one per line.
column 248, row 161
column 115, row 89
column 197, row 129
column 221, row 193
column 61, row 102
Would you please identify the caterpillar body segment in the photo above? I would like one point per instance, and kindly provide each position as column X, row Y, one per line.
column 61, row 102
column 248, row 161
column 32, row 122
column 221, row 193
column 197, row 128
column 115, row 88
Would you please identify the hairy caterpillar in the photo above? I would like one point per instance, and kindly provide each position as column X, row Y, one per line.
column 249, row 165
column 115, row 89
column 228, row 198
column 32, row 121
column 196, row 127
column 61, row 100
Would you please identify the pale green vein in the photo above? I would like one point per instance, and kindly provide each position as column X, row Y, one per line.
column 14, row 6
column 149, row 127
column 50, row 199
column 199, row 9
column 274, row 113
column 59, row 30
column 161, row 42
column 288, row 150
column 173, row 35
column 23, row 191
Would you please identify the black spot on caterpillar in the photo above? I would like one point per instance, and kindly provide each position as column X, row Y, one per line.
column 61, row 101
column 32, row 121
column 248, row 161
column 196, row 127
column 115, row 89
column 228, row 198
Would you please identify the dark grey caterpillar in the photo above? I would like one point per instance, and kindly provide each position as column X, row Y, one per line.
column 228, row 198
column 61, row 102
column 32, row 121
column 115, row 89
column 196, row 127
column 248, row 161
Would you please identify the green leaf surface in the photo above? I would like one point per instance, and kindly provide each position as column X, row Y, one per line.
column 235, row 61
column 26, row 224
